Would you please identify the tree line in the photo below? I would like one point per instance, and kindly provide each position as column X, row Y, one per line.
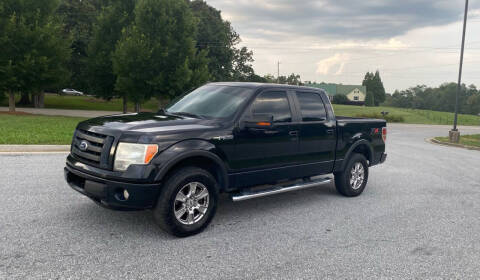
column 133, row 49
column 440, row 98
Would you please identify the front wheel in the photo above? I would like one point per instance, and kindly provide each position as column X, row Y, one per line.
column 352, row 181
column 187, row 202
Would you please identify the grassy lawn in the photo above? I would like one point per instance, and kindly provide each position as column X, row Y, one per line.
column 413, row 116
column 55, row 101
column 467, row 140
column 34, row 129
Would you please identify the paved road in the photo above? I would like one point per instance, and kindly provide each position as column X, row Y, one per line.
column 418, row 218
column 62, row 112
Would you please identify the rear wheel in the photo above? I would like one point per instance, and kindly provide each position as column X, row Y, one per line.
column 187, row 202
column 352, row 181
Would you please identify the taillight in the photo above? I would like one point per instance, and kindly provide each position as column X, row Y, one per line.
column 384, row 134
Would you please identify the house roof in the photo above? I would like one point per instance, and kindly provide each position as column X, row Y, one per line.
column 346, row 89
column 333, row 89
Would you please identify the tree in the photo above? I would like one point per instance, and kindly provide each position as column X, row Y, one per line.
column 168, row 64
column 218, row 38
column 294, row 79
column 215, row 35
column 370, row 99
column 379, row 89
column 374, row 85
column 78, row 19
column 106, row 33
column 34, row 52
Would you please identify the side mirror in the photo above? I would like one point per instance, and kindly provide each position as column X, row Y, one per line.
column 259, row 121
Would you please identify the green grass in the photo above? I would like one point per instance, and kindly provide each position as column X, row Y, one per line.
column 413, row 116
column 34, row 129
column 55, row 101
column 467, row 140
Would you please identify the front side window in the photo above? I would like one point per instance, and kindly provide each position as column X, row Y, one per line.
column 273, row 103
column 311, row 107
column 212, row 101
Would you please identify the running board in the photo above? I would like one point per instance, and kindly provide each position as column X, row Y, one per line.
column 249, row 194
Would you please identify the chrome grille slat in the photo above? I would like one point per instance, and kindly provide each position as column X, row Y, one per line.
column 86, row 155
column 90, row 138
column 97, row 151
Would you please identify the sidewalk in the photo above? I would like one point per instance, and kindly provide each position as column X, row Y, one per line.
column 34, row 148
column 63, row 112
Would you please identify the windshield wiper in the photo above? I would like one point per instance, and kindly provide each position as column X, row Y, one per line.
column 187, row 115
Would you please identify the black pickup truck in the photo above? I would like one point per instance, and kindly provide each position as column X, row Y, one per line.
column 244, row 139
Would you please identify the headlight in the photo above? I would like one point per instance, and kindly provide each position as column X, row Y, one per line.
column 128, row 153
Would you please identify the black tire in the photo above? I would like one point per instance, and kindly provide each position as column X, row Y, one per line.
column 164, row 212
column 342, row 179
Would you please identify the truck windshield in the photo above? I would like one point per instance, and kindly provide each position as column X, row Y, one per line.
column 211, row 101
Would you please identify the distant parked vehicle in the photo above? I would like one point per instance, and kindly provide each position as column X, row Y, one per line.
column 69, row 91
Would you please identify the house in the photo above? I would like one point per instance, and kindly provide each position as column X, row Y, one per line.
column 356, row 94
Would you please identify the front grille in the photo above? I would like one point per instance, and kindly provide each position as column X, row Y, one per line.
column 97, row 151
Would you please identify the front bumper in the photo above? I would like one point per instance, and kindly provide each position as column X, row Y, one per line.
column 110, row 193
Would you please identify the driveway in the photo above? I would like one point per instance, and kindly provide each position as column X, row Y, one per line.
column 418, row 218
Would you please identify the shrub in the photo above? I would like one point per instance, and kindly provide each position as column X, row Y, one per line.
column 340, row 99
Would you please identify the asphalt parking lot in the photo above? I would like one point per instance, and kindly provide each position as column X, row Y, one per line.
column 418, row 218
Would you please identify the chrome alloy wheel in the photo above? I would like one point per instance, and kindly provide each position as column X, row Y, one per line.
column 357, row 175
column 191, row 203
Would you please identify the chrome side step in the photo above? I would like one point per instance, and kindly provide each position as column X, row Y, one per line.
column 249, row 194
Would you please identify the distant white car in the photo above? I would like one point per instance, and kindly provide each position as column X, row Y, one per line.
column 70, row 91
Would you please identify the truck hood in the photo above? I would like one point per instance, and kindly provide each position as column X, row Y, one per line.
column 146, row 123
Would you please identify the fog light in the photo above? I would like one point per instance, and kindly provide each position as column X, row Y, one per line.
column 126, row 195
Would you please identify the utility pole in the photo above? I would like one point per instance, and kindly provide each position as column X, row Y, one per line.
column 278, row 72
column 454, row 134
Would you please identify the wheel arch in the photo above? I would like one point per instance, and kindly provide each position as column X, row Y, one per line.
column 203, row 159
column 362, row 147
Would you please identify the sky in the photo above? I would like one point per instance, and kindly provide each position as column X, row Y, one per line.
column 410, row 42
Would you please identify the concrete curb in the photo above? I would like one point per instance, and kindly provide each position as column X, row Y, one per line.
column 434, row 141
column 34, row 148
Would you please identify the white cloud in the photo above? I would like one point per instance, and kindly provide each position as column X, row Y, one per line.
column 325, row 65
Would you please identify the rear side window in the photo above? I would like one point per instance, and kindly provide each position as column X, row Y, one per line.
column 273, row 103
column 311, row 107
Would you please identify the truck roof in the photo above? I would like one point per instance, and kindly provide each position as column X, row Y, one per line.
column 263, row 85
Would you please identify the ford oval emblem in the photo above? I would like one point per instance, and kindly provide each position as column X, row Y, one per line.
column 83, row 145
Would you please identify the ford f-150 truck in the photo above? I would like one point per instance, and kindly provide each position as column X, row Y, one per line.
column 244, row 139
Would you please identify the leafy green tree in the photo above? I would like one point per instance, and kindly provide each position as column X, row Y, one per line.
column 78, row 19
column 163, row 34
column 217, row 37
column 107, row 31
column 294, row 79
column 34, row 51
column 131, row 64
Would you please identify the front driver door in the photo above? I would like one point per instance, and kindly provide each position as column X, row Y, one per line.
column 264, row 155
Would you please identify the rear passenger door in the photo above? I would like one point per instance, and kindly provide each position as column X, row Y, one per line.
column 317, row 133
